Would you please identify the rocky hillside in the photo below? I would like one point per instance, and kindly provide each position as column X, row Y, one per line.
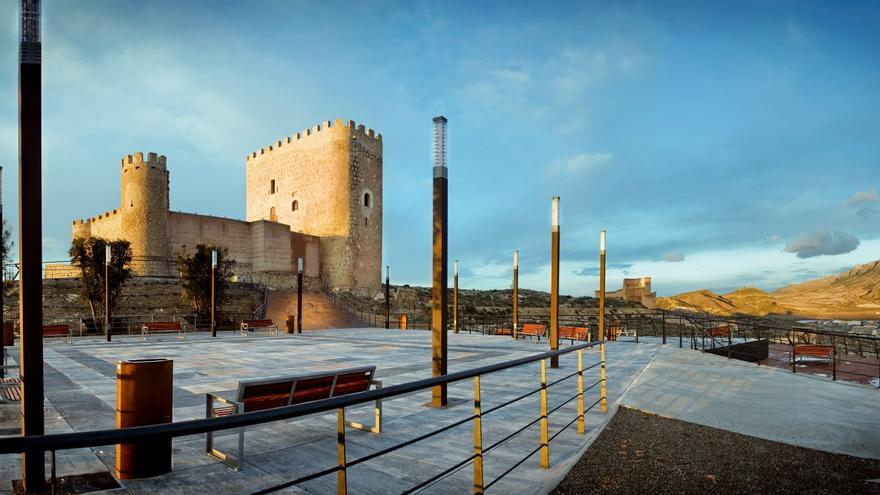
column 854, row 294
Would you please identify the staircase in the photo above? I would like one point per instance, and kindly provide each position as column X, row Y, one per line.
column 318, row 311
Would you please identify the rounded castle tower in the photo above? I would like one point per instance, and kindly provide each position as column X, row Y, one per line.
column 144, row 213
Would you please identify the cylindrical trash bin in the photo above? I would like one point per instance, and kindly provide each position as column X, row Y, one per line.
column 143, row 397
column 9, row 333
column 403, row 321
column 291, row 323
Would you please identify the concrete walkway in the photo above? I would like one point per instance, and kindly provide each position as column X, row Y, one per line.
column 80, row 396
column 760, row 401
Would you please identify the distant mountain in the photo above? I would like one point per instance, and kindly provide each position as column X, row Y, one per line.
column 854, row 294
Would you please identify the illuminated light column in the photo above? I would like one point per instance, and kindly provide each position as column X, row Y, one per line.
column 455, row 297
column 299, row 295
column 387, row 296
column 2, row 269
column 440, row 259
column 213, row 293
column 604, row 404
column 554, row 284
column 515, row 294
column 30, row 236
column 108, row 255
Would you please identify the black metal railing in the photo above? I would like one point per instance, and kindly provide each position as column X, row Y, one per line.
column 65, row 441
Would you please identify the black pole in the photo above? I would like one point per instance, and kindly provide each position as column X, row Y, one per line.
column 387, row 297
column 30, row 223
column 107, row 256
column 299, row 295
column 2, row 287
column 213, row 293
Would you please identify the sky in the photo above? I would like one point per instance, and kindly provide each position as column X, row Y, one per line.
column 719, row 144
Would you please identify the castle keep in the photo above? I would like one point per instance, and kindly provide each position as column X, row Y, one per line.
column 316, row 194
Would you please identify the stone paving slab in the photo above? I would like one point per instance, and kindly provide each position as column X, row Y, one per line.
column 80, row 396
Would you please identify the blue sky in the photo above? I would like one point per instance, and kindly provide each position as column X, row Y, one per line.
column 720, row 144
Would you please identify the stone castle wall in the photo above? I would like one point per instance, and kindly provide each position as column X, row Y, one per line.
column 315, row 182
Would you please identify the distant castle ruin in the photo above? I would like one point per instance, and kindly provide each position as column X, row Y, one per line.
column 316, row 195
column 635, row 290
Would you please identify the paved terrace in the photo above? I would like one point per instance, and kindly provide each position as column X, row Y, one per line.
column 81, row 396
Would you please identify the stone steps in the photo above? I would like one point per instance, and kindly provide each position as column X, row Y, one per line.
column 318, row 311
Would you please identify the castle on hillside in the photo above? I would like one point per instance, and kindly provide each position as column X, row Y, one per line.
column 315, row 195
column 635, row 290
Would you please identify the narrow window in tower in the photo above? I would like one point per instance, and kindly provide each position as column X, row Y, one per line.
column 294, row 206
column 273, row 217
column 367, row 200
column 272, row 187
column 366, row 220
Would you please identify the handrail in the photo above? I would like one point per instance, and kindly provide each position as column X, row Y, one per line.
column 63, row 441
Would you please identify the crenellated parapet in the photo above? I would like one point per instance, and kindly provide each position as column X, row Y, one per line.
column 358, row 131
column 103, row 216
column 136, row 160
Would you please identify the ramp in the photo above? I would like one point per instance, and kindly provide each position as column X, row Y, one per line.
column 318, row 311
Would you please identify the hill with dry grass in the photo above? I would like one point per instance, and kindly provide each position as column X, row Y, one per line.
column 854, row 294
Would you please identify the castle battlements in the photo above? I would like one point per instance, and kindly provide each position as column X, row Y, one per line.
column 103, row 216
column 358, row 130
column 137, row 159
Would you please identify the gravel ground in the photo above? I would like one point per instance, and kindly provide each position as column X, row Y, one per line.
column 640, row 453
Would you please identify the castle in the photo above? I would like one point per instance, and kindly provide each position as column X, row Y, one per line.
column 315, row 195
column 635, row 290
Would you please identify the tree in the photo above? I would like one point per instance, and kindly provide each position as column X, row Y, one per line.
column 195, row 275
column 88, row 254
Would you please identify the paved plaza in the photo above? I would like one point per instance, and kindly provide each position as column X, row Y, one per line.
column 81, row 396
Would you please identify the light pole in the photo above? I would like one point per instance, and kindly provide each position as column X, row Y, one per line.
column 603, row 405
column 213, row 292
column 455, row 297
column 299, row 295
column 440, row 260
column 387, row 296
column 108, row 254
column 30, row 235
column 2, row 287
column 554, row 283
column 515, row 294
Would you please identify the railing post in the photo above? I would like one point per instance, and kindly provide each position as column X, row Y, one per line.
column 580, row 392
column 604, row 403
column 478, row 439
column 833, row 360
column 341, row 483
column 663, row 315
column 729, row 340
column 793, row 370
column 545, row 436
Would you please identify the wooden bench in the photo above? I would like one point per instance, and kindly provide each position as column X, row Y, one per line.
column 57, row 331
column 268, row 393
column 10, row 389
column 163, row 327
column 503, row 331
column 574, row 333
column 254, row 325
column 533, row 330
column 812, row 350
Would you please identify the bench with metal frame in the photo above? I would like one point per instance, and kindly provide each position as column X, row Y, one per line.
column 58, row 331
column 163, row 327
column 533, row 330
column 574, row 334
column 10, row 390
column 813, row 350
column 268, row 393
column 248, row 325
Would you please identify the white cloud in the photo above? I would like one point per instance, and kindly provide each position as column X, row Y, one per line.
column 585, row 162
column 822, row 242
column 673, row 257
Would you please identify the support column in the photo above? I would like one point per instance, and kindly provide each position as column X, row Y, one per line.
column 455, row 297
column 30, row 244
column 299, row 295
column 440, row 260
column 554, row 284
column 387, row 296
column 515, row 331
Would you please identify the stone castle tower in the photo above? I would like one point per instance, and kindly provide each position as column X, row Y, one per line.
column 142, row 217
column 326, row 182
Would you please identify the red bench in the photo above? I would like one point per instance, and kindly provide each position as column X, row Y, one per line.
column 57, row 331
column 820, row 351
column 254, row 325
column 269, row 393
column 503, row 331
column 10, row 389
column 163, row 327
column 574, row 333
column 533, row 330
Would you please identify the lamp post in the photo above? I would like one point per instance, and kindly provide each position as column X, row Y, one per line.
column 30, row 230
column 387, row 296
column 604, row 405
column 108, row 255
column 515, row 294
column 554, row 283
column 440, row 259
column 455, row 297
column 299, row 295
column 213, row 293
column 2, row 287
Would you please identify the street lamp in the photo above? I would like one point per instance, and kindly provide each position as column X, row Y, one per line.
column 554, row 282
column 108, row 254
column 440, row 260
column 213, row 292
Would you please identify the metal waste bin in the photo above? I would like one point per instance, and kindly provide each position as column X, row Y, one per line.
column 144, row 396
column 8, row 333
column 291, row 323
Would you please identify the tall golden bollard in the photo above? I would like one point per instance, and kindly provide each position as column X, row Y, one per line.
column 554, row 284
column 341, row 480
column 580, row 400
column 455, row 297
column 545, row 426
column 30, row 238
column 478, row 439
column 438, row 305
column 604, row 403
column 515, row 295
